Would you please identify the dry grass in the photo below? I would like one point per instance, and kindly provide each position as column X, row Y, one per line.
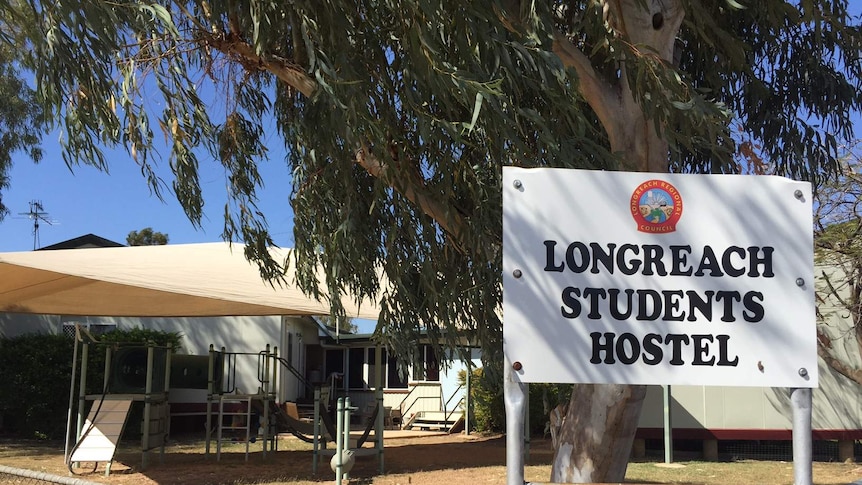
column 448, row 460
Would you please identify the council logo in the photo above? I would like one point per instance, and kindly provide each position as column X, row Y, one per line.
column 656, row 206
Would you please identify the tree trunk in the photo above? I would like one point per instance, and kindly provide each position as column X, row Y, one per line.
column 596, row 435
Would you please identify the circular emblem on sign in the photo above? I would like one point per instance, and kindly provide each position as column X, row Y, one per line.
column 656, row 206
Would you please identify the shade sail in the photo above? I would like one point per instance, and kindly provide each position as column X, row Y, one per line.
column 211, row 279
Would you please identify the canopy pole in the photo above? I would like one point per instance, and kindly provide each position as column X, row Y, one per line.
column 71, row 395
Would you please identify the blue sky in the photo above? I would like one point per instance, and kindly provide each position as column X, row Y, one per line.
column 111, row 205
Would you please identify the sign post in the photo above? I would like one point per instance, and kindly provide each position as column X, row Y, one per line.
column 516, row 399
column 800, row 403
column 660, row 279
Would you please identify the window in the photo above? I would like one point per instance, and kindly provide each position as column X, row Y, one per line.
column 394, row 380
column 95, row 329
column 426, row 367
column 432, row 365
column 334, row 362
column 373, row 368
column 362, row 367
column 356, row 360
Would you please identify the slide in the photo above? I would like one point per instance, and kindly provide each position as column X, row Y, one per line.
column 102, row 431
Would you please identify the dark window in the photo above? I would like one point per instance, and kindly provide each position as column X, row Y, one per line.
column 357, row 368
column 425, row 365
column 334, row 361
column 394, row 379
column 432, row 365
column 373, row 369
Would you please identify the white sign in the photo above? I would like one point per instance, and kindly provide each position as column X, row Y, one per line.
column 638, row 278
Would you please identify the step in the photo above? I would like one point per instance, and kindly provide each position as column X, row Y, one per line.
column 435, row 419
column 438, row 416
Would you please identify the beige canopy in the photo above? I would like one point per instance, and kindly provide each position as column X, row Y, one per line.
column 211, row 279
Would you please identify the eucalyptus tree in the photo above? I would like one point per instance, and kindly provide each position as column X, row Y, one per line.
column 397, row 116
column 20, row 115
column 146, row 237
column 838, row 249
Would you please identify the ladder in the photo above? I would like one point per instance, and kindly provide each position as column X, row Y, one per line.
column 239, row 420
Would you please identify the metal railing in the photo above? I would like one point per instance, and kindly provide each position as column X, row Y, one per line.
column 455, row 393
column 457, row 405
column 418, row 398
column 293, row 370
column 444, row 403
column 405, row 410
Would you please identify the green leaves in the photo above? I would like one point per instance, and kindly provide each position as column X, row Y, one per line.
column 411, row 108
column 146, row 237
column 21, row 119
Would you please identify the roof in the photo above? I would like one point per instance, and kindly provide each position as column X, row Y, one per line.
column 211, row 279
column 81, row 242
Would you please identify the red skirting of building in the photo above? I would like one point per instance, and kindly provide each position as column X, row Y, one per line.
column 747, row 434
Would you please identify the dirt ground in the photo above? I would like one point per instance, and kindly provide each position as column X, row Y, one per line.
column 186, row 462
column 426, row 460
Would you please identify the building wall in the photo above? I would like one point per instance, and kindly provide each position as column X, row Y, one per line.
column 296, row 335
column 247, row 335
column 15, row 324
column 836, row 404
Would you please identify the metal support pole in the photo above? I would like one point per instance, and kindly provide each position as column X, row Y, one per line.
column 82, row 388
column 165, row 414
column 467, row 396
column 109, row 358
column 273, row 380
column 345, row 379
column 339, row 441
column 800, row 402
column 515, row 397
column 316, row 439
column 668, row 424
column 210, row 392
column 273, row 398
column 265, row 395
column 378, row 393
column 527, row 434
column 346, row 443
column 71, row 397
column 148, row 409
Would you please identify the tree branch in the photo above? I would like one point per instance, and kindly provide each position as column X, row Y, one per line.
column 597, row 92
column 449, row 220
column 285, row 70
column 836, row 364
column 293, row 75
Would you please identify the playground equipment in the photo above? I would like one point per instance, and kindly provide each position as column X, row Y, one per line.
column 229, row 411
column 342, row 432
column 135, row 373
column 240, row 415
column 344, row 458
column 132, row 373
column 236, row 416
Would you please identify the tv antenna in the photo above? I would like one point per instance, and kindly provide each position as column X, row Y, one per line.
column 37, row 213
